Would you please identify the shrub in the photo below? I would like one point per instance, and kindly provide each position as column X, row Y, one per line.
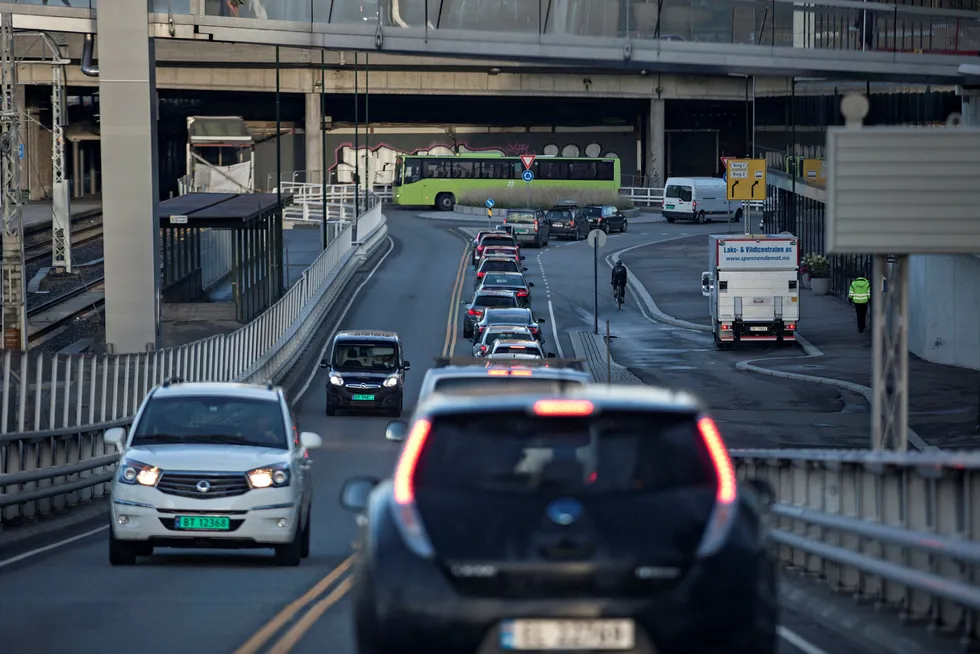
column 542, row 198
column 816, row 265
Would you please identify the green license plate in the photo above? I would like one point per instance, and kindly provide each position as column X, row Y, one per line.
column 202, row 523
column 670, row 206
column 362, row 397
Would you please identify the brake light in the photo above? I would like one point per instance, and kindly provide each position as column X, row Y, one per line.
column 571, row 224
column 522, row 293
column 406, row 514
column 723, row 515
column 480, row 275
column 532, row 329
column 694, row 205
column 521, row 373
column 563, row 408
column 790, row 326
column 535, row 224
column 475, row 312
column 479, row 248
column 483, row 348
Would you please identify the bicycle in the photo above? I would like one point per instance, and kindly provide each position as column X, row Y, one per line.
column 620, row 295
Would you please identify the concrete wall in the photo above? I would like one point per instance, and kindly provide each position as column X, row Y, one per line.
column 944, row 309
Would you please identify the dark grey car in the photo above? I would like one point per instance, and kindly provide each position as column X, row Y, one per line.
column 566, row 220
column 606, row 217
column 527, row 226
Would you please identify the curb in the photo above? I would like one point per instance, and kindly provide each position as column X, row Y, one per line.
column 648, row 304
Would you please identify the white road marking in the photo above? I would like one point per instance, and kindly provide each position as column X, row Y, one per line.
column 52, row 546
column 798, row 641
column 554, row 330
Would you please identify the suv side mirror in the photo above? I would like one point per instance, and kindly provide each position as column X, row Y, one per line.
column 706, row 284
column 115, row 438
column 551, row 355
column 523, row 258
column 523, row 269
column 324, row 363
column 406, row 365
column 541, row 321
column 530, row 284
column 396, row 431
column 356, row 492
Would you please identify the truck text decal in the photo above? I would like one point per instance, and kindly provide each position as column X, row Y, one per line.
column 758, row 253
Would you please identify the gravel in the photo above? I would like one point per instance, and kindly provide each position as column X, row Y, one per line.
column 81, row 275
column 88, row 327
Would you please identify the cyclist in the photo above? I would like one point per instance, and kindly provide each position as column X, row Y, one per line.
column 619, row 275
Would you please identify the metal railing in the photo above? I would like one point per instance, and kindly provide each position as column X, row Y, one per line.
column 899, row 529
column 54, row 408
column 643, row 196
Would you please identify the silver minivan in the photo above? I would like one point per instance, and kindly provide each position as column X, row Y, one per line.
column 527, row 226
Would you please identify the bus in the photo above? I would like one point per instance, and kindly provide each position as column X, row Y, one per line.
column 438, row 180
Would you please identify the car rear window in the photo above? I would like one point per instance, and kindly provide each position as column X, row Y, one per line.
column 496, row 301
column 498, row 240
column 593, row 212
column 502, row 385
column 499, row 266
column 507, row 317
column 522, row 217
column 517, row 349
column 614, row 452
column 502, row 280
column 560, row 215
column 682, row 193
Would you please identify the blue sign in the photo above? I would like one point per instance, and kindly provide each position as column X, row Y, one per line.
column 489, row 203
column 528, row 176
column 20, row 151
column 565, row 511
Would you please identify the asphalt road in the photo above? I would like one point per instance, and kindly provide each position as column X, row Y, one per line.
column 70, row 601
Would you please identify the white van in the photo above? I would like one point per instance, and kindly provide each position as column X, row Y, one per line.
column 699, row 199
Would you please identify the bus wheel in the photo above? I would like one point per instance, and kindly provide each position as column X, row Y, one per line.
column 445, row 202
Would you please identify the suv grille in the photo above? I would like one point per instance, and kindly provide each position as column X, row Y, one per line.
column 220, row 484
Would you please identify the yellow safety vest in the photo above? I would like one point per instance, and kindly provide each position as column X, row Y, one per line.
column 860, row 291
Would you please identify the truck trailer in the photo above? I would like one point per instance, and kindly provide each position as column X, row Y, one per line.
column 752, row 287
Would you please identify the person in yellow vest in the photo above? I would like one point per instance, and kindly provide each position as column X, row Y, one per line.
column 860, row 295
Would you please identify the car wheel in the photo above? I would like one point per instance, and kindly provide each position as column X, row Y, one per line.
column 605, row 228
column 331, row 411
column 304, row 550
column 121, row 552
column 624, row 227
column 467, row 332
column 289, row 555
column 670, row 220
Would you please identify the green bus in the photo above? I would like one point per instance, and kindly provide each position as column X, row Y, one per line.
column 438, row 180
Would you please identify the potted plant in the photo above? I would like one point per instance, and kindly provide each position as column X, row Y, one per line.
column 818, row 268
column 804, row 274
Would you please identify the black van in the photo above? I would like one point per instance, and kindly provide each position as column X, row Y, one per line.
column 366, row 372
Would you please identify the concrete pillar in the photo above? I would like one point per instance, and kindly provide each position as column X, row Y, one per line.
column 128, row 107
column 314, row 124
column 656, row 163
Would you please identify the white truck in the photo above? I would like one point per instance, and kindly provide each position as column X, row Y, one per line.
column 752, row 288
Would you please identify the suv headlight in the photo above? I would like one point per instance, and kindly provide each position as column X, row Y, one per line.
column 336, row 380
column 391, row 381
column 136, row 472
column 275, row 476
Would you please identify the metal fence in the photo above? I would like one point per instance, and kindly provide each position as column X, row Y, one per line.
column 898, row 529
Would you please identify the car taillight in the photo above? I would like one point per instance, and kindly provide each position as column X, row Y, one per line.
column 532, row 329
column 479, row 249
column 571, row 224
column 522, row 293
column 474, row 312
column 723, row 515
column 483, row 348
column 694, row 205
column 480, row 275
column 790, row 326
column 535, row 224
column 405, row 512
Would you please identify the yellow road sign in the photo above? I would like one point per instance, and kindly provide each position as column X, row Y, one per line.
column 746, row 179
column 815, row 171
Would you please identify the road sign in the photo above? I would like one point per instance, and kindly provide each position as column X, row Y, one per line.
column 746, row 179
column 815, row 171
column 597, row 238
column 528, row 176
column 527, row 160
column 489, row 203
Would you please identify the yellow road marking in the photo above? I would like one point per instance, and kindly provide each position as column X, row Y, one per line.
column 263, row 635
column 292, row 637
column 452, row 322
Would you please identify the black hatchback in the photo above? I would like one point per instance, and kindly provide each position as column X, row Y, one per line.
column 606, row 217
column 366, row 372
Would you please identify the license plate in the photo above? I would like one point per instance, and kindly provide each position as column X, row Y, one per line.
column 566, row 635
column 557, row 224
column 670, row 206
column 362, row 397
column 759, row 329
column 202, row 523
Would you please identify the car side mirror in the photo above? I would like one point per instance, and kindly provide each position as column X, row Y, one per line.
column 706, row 284
column 115, row 438
column 763, row 490
column 551, row 355
column 324, row 364
column 523, row 257
column 523, row 269
column 396, row 431
column 356, row 492
column 406, row 365
column 310, row 441
column 541, row 321
column 530, row 284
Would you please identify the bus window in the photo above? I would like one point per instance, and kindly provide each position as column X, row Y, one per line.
column 582, row 170
column 412, row 171
column 435, row 168
column 605, row 171
column 463, row 169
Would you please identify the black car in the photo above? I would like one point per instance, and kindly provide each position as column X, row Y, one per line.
column 508, row 281
column 606, row 217
column 567, row 220
column 518, row 316
column 600, row 518
column 483, row 300
column 366, row 371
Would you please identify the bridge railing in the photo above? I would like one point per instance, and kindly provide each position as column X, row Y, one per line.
column 898, row 529
column 54, row 408
column 643, row 196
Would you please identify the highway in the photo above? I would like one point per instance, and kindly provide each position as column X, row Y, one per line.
column 68, row 600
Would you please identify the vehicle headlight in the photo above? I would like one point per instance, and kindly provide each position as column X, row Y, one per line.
column 275, row 476
column 336, row 380
column 136, row 472
column 391, row 381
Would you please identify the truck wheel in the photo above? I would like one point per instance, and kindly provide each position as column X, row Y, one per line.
column 445, row 202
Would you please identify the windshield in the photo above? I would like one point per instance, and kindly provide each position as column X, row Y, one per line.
column 503, row 280
column 502, row 385
column 210, row 421
column 496, row 301
column 615, row 452
column 520, row 217
column 559, row 215
column 365, row 356
column 682, row 193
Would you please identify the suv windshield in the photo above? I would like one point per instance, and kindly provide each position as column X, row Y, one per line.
column 380, row 356
column 520, row 217
column 210, row 421
column 496, row 301
column 615, row 452
column 682, row 193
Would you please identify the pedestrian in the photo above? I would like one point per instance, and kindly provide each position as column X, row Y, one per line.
column 860, row 295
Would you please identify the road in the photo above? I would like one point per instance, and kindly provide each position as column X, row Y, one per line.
column 68, row 600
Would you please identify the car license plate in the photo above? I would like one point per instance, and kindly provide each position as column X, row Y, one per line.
column 557, row 224
column 202, row 523
column 362, row 397
column 566, row 635
column 670, row 206
column 759, row 329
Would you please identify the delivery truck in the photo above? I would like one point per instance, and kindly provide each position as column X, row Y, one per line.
column 752, row 287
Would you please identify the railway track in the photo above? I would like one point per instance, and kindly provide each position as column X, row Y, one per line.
column 85, row 228
column 47, row 317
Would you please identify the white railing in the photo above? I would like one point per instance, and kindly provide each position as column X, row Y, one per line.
column 216, row 257
column 899, row 529
column 643, row 196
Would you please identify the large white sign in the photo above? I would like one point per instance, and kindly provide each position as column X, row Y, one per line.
column 755, row 255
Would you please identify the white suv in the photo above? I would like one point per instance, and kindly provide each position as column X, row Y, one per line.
column 212, row 465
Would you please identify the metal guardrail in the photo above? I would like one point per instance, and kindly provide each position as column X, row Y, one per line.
column 898, row 529
column 73, row 399
column 643, row 196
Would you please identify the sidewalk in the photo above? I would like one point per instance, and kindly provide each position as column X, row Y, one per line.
column 943, row 400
